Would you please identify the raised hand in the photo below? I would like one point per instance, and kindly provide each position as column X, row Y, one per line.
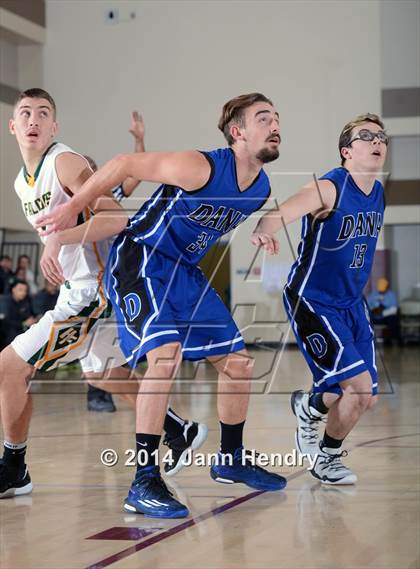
column 137, row 126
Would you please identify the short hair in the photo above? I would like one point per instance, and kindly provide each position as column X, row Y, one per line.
column 346, row 133
column 16, row 282
column 36, row 93
column 5, row 257
column 233, row 112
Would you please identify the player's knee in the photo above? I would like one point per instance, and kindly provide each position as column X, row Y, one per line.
column 13, row 366
column 358, row 397
column 362, row 401
column 163, row 362
column 166, row 368
column 240, row 367
column 373, row 401
column 359, row 391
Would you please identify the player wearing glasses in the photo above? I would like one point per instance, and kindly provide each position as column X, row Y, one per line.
column 342, row 214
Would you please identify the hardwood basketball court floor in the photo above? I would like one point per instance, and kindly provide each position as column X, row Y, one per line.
column 74, row 518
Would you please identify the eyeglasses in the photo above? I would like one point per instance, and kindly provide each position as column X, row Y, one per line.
column 367, row 136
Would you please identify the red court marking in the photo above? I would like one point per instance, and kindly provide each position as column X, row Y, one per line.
column 215, row 512
column 385, row 439
column 173, row 531
column 214, row 496
column 125, row 532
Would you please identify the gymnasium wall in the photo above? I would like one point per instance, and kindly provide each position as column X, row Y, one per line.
column 178, row 62
column 11, row 216
column 400, row 43
column 400, row 64
column 22, row 34
column 403, row 241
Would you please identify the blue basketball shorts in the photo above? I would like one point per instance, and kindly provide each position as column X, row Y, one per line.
column 158, row 300
column 337, row 344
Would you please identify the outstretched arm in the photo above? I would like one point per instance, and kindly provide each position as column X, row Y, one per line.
column 189, row 170
column 109, row 219
column 317, row 197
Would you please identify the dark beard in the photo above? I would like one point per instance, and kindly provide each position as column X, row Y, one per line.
column 265, row 155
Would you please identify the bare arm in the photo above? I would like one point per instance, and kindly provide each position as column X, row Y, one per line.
column 315, row 198
column 137, row 130
column 108, row 221
column 189, row 170
column 110, row 218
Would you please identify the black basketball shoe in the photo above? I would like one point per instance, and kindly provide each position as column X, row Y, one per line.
column 181, row 447
column 14, row 482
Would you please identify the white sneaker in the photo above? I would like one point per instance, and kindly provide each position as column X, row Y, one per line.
column 329, row 469
column 308, row 420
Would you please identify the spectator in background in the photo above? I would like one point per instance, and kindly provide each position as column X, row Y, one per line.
column 383, row 307
column 6, row 275
column 19, row 313
column 20, row 275
column 24, row 262
column 45, row 299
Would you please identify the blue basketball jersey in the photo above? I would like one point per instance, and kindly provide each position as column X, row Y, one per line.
column 336, row 253
column 183, row 225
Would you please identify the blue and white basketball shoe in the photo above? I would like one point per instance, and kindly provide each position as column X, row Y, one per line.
column 244, row 470
column 150, row 496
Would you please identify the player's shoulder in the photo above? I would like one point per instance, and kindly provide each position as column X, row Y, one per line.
column 336, row 174
column 68, row 164
column 220, row 161
column 219, row 155
column 379, row 185
column 60, row 156
column 58, row 148
column 20, row 175
column 65, row 156
column 379, row 191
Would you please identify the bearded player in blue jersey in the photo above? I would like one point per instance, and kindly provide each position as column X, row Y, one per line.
column 342, row 214
column 165, row 307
